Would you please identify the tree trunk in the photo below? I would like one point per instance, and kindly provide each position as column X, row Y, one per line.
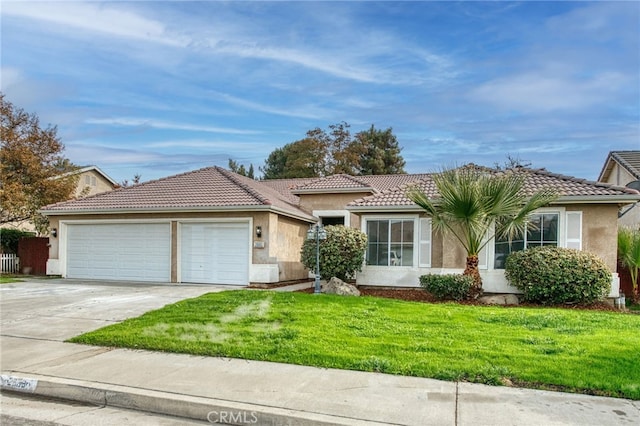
column 472, row 271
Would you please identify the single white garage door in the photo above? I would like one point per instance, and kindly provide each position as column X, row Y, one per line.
column 126, row 251
column 215, row 253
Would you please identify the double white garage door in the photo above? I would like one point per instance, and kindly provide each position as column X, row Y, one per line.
column 211, row 252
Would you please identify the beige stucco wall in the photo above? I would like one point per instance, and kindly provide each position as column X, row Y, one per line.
column 621, row 177
column 311, row 202
column 599, row 236
column 290, row 236
column 102, row 185
column 282, row 237
column 600, row 231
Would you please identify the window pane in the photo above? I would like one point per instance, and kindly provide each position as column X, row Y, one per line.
column 534, row 228
column 377, row 247
column 503, row 249
column 396, row 255
column 390, row 242
column 383, row 231
column 407, row 231
column 407, row 255
column 550, row 228
column 396, row 231
column 372, row 231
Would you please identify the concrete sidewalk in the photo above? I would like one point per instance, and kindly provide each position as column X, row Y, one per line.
column 251, row 392
column 37, row 317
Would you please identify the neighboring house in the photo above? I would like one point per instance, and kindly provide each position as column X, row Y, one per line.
column 622, row 168
column 214, row 226
column 91, row 181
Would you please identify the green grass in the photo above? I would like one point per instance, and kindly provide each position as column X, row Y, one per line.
column 572, row 350
column 6, row 279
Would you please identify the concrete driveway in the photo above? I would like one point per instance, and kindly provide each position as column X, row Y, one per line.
column 58, row 309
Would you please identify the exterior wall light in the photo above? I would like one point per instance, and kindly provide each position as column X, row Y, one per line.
column 259, row 231
column 54, row 232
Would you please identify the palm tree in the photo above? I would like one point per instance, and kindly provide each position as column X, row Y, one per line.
column 629, row 255
column 475, row 203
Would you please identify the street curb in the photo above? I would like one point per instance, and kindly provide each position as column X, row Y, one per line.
column 176, row 405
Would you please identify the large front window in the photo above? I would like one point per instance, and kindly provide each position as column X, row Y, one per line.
column 390, row 242
column 542, row 230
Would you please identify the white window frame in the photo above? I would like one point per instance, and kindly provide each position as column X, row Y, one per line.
column 416, row 237
column 562, row 239
column 334, row 213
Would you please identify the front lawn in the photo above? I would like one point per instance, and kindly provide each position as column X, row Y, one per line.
column 572, row 350
column 6, row 279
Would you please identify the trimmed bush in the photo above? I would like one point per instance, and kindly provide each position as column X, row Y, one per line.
column 447, row 287
column 553, row 275
column 341, row 254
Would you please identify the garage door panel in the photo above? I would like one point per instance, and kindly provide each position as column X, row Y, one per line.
column 131, row 251
column 215, row 253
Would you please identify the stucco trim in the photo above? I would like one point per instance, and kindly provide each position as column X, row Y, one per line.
column 334, row 213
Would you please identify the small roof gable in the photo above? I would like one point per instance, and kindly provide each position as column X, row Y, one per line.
column 629, row 160
column 285, row 186
column 386, row 182
column 209, row 188
column 88, row 169
column 568, row 188
column 334, row 184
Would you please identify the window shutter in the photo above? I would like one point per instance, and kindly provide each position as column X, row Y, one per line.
column 574, row 230
column 483, row 258
column 425, row 242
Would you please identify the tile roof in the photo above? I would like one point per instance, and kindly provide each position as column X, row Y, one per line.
column 630, row 160
column 214, row 188
column 535, row 180
column 210, row 187
column 285, row 186
column 334, row 183
column 386, row 182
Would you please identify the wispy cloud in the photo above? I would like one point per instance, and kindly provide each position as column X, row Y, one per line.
column 548, row 92
column 159, row 124
column 94, row 18
column 303, row 111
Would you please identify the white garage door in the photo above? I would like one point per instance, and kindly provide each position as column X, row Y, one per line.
column 127, row 251
column 216, row 253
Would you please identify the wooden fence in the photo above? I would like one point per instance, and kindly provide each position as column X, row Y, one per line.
column 10, row 263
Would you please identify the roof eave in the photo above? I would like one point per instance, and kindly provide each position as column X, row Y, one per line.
column 606, row 168
column 334, row 191
column 598, row 199
column 256, row 208
column 402, row 208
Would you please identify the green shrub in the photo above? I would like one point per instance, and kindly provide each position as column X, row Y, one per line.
column 341, row 254
column 9, row 239
column 552, row 275
column 447, row 287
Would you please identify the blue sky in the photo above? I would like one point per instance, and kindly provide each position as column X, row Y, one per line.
column 158, row 87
